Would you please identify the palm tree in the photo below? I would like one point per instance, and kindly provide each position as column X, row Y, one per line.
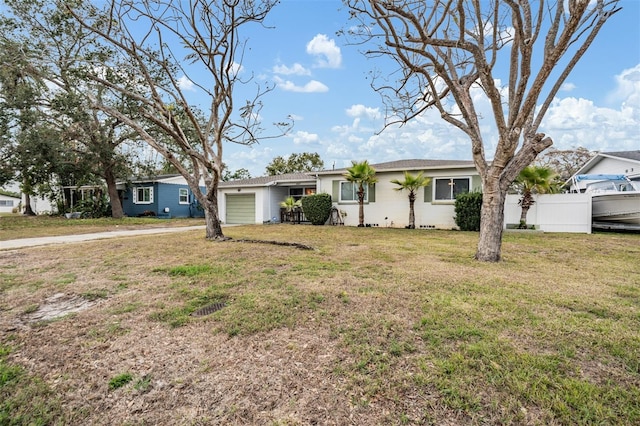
column 290, row 205
column 534, row 180
column 411, row 183
column 361, row 174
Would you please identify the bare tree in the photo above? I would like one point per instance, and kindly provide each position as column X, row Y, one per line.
column 166, row 46
column 565, row 162
column 448, row 50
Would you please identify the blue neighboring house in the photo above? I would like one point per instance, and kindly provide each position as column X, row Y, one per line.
column 163, row 196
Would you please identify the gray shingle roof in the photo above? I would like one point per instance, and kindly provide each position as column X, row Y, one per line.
column 414, row 164
column 265, row 180
column 630, row 155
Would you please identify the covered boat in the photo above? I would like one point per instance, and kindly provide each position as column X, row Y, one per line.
column 614, row 198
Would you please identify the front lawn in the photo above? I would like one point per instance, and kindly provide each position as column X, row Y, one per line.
column 374, row 326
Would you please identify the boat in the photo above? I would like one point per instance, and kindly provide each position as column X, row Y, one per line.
column 614, row 198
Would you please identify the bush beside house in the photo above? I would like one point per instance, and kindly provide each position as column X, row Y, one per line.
column 468, row 207
column 317, row 208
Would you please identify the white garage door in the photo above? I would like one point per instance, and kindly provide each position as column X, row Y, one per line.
column 241, row 208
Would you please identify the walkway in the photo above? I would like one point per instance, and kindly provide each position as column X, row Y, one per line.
column 67, row 239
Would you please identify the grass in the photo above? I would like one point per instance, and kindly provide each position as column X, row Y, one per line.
column 20, row 226
column 423, row 333
column 24, row 398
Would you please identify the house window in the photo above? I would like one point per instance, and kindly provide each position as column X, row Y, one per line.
column 447, row 188
column 349, row 192
column 298, row 193
column 183, row 196
column 143, row 195
column 6, row 203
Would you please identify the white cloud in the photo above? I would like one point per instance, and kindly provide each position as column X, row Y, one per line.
column 360, row 110
column 312, row 86
column 573, row 122
column 327, row 53
column 627, row 91
column 568, row 87
column 296, row 69
column 185, row 84
column 305, row 138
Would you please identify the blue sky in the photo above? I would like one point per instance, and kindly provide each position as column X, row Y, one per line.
column 322, row 82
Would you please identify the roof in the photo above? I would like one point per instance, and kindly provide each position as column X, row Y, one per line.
column 285, row 179
column 629, row 155
column 156, row 178
column 632, row 156
column 414, row 164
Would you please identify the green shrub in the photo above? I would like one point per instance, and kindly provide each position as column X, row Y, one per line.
column 467, row 208
column 317, row 208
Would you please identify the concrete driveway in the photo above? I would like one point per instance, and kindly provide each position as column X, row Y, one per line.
column 68, row 239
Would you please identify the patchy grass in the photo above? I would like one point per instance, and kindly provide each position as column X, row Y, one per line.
column 374, row 326
column 25, row 399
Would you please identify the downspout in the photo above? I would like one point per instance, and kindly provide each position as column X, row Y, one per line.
column 270, row 203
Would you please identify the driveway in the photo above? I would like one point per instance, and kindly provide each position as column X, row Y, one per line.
column 67, row 239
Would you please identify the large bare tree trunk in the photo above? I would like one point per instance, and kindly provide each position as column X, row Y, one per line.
column 116, row 206
column 211, row 212
column 213, row 224
column 491, row 224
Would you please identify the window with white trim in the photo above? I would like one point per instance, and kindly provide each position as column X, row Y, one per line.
column 6, row 203
column 349, row 191
column 183, row 196
column 143, row 195
column 446, row 189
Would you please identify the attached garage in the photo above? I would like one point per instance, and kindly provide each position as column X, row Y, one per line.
column 241, row 208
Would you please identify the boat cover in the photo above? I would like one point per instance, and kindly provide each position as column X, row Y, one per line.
column 600, row 177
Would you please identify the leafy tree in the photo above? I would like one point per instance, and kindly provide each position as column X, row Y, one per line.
column 27, row 139
column 236, row 175
column 155, row 76
column 90, row 141
column 411, row 184
column 448, row 54
column 361, row 174
column 533, row 180
column 295, row 163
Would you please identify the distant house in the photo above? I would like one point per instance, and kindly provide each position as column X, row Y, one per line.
column 8, row 203
column 385, row 206
column 619, row 162
column 164, row 196
column 257, row 200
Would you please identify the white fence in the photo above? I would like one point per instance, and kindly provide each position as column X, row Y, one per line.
column 553, row 212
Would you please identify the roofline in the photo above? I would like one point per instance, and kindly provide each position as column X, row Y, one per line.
column 402, row 169
column 230, row 184
column 598, row 157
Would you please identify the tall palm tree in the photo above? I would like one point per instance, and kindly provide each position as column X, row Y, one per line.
column 361, row 174
column 411, row 183
column 534, row 180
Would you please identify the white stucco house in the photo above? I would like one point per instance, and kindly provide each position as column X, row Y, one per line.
column 385, row 206
column 257, row 200
column 8, row 203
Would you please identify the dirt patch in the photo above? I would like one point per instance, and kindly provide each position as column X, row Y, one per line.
column 56, row 306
